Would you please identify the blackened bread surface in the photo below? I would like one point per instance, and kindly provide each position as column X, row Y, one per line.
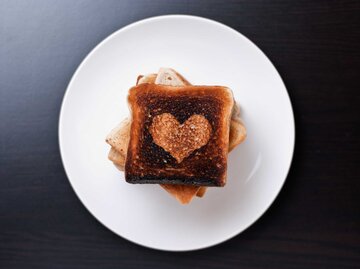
column 147, row 162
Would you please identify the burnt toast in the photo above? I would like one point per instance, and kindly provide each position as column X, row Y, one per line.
column 204, row 112
column 118, row 138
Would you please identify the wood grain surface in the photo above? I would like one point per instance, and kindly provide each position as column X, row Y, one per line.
column 315, row 221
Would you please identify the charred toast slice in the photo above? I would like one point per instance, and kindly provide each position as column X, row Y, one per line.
column 117, row 154
column 192, row 148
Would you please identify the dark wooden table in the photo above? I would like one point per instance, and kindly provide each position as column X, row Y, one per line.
column 315, row 221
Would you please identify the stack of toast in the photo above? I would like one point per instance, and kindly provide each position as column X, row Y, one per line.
column 178, row 136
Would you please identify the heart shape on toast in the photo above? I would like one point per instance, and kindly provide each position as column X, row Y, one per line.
column 180, row 140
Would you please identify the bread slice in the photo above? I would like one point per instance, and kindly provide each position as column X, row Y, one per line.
column 237, row 133
column 179, row 135
column 183, row 194
column 119, row 137
column 168, row 76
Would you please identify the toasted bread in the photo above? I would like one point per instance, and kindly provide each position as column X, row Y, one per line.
column 156, row 156
column 183, row 194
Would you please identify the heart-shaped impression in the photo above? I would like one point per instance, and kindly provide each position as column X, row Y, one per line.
column 180, row 140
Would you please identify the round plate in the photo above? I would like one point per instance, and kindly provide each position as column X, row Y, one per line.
column 205, row 52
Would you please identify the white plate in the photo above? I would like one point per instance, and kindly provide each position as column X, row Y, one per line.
column 207, row 53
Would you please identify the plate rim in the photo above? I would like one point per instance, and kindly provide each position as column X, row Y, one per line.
column 129, row 27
